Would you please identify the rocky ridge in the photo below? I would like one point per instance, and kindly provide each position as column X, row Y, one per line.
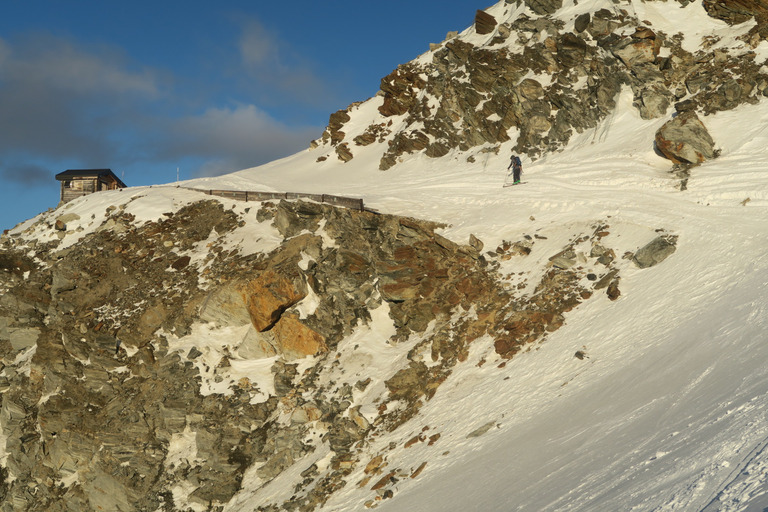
column 524, row 75
column 152, row 366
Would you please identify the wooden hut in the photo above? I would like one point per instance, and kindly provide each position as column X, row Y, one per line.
column 80, row 182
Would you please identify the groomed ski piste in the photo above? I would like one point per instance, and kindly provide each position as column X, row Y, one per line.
column 667, row 411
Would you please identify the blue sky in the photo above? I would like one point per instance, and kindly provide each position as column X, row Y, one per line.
column 209, row 87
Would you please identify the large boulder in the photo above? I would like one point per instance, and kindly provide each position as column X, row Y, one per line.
column 571, row 49
column 656, row 251
column 652, row 102
column 685, row 140
column 582, row 22
column 225, row 306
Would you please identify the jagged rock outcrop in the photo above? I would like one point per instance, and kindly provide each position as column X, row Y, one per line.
column 463, row 95
column 123, row 408
column 737, row 11
column 544, row 7
column 484, row 22
column 122, row 381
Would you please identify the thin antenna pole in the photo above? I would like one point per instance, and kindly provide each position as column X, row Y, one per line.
column 177, row 175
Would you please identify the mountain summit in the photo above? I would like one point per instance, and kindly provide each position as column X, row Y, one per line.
column 536, row 73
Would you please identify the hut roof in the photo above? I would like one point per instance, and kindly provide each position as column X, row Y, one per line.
column 89, row 173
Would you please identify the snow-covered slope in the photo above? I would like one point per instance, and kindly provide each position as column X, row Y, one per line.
column 669, row 410
column 666, row 409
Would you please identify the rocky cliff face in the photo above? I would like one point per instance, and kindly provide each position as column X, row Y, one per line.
column 528, row 74
column 158, row 366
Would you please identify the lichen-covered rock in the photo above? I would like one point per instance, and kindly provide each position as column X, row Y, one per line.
column 640, row 49
column 685, row 140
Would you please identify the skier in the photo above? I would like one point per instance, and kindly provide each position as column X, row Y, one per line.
column 517, row 168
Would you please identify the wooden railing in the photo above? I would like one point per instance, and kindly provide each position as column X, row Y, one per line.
column 249, row 195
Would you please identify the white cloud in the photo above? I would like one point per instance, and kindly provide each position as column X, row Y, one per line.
column 235, row 138
column 59, row 64
column 5, row 52
column 229, row 129
column 60, row 100
column 257, row 46
column 276, row 70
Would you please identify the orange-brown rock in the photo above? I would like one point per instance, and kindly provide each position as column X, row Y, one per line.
column 527, row 326
column 412, row 441
column 268, row 296
column 295, row 340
